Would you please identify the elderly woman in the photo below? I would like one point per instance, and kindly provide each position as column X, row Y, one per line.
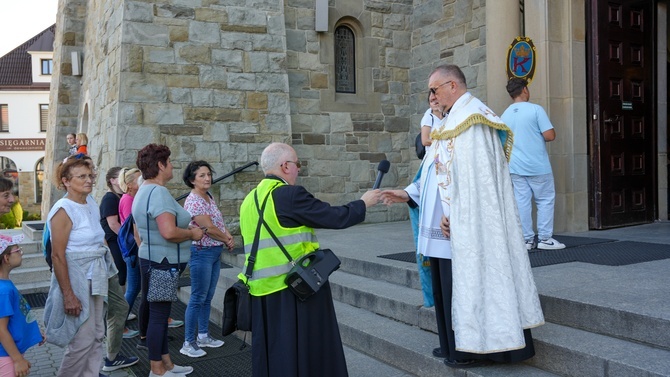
column 163, row 227
column 82, row 267
column 205, row 257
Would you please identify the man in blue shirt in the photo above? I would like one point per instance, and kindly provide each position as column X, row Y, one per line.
column 529, row 165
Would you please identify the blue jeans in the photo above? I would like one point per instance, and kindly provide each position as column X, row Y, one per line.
column 205, row 267
column 541, row 187
column 133, row 281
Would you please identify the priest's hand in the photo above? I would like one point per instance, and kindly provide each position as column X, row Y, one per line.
column 394, row 196
column 444, row 226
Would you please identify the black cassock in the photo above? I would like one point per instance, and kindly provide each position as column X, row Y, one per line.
column 291, row 338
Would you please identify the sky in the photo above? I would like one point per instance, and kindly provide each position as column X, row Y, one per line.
column 21, row 20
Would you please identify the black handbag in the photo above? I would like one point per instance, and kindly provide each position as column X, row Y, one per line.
column 420, row 148
column 163, row 283
column 311, row 272
column 237, row 299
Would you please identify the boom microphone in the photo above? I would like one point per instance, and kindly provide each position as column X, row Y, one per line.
column 382, row 169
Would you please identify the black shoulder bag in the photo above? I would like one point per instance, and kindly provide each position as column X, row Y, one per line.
column 237, row 300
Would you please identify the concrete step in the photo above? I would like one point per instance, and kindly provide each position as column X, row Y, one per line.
column 390, row 300
column 30, row 275
column 572, row 352
column 359, row 364
column 408, row 347
column 32, row 260
column 31, row 247
column 645, row 328
column 33, row 287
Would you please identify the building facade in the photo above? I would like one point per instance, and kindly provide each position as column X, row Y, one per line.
column 345, row 82
column 25, row 77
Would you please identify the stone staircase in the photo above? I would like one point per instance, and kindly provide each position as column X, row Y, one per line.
column 380, row 312
column 33, row 276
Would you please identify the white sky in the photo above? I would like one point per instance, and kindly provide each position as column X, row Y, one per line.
column 21, row 20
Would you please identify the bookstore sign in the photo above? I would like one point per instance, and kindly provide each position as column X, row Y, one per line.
column 13, row 145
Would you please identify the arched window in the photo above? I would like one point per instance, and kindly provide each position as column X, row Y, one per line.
column 345, row 66
column 39, row 180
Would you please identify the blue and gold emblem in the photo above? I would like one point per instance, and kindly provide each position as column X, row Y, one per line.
column 521, row 59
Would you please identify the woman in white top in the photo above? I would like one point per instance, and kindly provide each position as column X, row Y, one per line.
column 82, row 266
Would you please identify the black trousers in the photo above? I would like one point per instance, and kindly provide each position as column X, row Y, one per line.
column 295, row 338
column 442, row 292
column 153, row 316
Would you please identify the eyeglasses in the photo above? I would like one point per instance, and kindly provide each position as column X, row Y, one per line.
column 83, row 177
column 297, row 163
column 434, row 90
column 17, row 250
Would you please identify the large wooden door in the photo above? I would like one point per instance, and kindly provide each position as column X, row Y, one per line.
column 622, row 102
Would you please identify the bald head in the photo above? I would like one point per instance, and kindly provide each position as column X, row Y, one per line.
column 275, row 160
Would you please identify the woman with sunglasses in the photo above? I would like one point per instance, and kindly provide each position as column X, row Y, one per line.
column 82, row 267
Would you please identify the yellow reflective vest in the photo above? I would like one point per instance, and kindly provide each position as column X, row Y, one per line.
column 271, row 264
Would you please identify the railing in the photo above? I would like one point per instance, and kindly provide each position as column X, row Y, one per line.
column 217, row 180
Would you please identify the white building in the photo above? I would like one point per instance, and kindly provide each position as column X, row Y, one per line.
column 25, row 77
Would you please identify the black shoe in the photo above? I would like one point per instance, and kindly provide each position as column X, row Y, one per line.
column 142, row 344
column 437, row 352
column 465, row 363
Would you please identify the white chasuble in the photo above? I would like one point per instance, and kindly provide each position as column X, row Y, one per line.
column 494, row 295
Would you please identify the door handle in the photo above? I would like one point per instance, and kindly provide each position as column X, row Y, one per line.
column 612, row 119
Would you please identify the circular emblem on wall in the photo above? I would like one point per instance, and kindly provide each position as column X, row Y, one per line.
column 521, row 59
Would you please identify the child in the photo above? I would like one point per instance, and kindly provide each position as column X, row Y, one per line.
column 430, row 119
column 18, row 328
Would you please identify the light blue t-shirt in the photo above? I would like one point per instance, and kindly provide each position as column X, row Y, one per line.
column 22, row 325
column 160, row 202
column 529, row 154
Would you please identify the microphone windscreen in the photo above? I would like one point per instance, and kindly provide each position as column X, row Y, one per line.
column 384, row 166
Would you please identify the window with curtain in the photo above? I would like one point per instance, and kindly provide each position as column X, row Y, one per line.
column 345, row 62
column 4, row 118
column 44, row 117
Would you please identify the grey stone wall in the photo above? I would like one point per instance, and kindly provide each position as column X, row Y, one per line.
column 65, row 89
column 220, row 79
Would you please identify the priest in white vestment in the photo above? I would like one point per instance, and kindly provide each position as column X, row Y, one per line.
column 486, row 301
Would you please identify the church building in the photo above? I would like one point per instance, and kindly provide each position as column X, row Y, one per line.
column 345, row 83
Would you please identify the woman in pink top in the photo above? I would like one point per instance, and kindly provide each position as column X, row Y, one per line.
column 128, row 184
column 205, row 260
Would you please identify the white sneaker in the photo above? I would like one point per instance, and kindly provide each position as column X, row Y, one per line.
column 182, row 370
column 530, row 245
column 132, row 316
column 167, row 374
column 210, row 342
column 550, row 244
column 191, row 350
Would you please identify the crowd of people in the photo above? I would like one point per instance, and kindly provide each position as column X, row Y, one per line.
column 468, row 173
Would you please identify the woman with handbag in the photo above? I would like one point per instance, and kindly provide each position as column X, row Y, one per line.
column 205, row 260
column 82, row 267
column 163, row 227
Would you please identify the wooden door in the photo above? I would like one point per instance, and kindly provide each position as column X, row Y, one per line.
column 622, row 109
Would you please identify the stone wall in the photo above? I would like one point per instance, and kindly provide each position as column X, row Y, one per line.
column 219, row 79
column 65, row 88
column 344, row 136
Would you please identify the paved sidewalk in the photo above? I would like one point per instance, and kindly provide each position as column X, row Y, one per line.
column 46, row 359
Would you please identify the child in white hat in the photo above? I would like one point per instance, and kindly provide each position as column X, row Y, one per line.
column 18, row 328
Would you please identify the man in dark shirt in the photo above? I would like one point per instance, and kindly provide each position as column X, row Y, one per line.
column 292, row 337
